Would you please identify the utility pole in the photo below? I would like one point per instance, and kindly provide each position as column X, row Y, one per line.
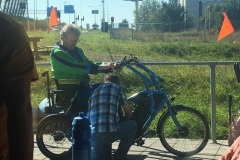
column 205, row 22
column 82, row 19
column 103, row 19
column 205, row 19
column 48, row 16
column 81, row 12
column 28, row 16
column 60, row 12
column 209, row 15
column 136, row 8
column 75, row 20
column 34, row 14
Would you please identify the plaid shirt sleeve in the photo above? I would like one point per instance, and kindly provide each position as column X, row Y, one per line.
column 123, row 97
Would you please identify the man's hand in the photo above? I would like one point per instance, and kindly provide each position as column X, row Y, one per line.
column 128, row 111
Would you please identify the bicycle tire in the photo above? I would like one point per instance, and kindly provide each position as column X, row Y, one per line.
column 53, row 137
column 187, row 143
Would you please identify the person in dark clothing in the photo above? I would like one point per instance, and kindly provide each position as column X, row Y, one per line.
column 17, row 69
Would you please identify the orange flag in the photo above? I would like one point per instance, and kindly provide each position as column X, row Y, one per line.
column 53, row 21
column 226, row 29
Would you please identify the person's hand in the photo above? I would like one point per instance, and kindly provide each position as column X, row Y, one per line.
column 118, row 67
column 106, row 66
column 112, row 66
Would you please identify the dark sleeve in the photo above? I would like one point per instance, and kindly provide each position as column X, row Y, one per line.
column 16, row 58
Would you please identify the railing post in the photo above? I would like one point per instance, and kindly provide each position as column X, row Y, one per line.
column 213, row 104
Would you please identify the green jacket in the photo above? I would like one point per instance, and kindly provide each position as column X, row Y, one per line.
column 66, row 65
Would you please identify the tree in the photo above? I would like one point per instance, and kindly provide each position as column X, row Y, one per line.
column 174, row 16
column 232, row 8
column 124, row 24
column 170, row 15
column 216, row 16
column 125, row 21
column 147, row 12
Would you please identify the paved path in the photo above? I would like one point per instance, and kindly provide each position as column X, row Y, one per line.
column 153, row 150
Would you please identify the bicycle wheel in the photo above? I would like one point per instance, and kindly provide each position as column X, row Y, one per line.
column 189, row 142
column 53, row 137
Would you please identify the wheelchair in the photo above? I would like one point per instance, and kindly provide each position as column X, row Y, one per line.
column 54, row 131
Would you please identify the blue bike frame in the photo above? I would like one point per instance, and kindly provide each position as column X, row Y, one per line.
column 159, row 91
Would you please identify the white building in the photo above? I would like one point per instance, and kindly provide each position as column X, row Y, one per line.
column 197, row 8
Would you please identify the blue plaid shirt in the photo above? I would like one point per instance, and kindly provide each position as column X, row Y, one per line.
column 104, row 103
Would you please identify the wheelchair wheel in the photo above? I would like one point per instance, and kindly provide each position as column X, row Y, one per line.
column 53, row 137
column 195, row 133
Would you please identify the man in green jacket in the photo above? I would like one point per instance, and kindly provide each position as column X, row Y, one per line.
column 69, row 62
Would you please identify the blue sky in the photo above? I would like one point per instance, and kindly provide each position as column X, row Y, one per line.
column 119, row 9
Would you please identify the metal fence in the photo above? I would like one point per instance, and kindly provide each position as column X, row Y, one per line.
column 214, row 70
column 172, row 31
column 160, row 32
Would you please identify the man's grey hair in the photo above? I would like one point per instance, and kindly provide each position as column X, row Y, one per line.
column 69, row 30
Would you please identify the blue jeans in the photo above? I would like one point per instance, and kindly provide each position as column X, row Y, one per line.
column 101, row 142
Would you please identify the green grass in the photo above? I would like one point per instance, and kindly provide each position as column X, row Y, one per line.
column 189, row 84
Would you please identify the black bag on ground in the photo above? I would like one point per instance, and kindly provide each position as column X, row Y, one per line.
column 140, row 115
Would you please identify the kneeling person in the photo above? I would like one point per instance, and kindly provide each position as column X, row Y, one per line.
column 106, row 128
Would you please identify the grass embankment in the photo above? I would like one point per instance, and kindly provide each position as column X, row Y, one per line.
column 189, row 84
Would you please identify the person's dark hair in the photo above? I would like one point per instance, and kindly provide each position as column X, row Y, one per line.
column 111, row 77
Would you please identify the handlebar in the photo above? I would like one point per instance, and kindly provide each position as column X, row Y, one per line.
column 124, row 62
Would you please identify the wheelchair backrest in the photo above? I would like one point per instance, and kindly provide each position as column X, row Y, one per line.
column 69, row 87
